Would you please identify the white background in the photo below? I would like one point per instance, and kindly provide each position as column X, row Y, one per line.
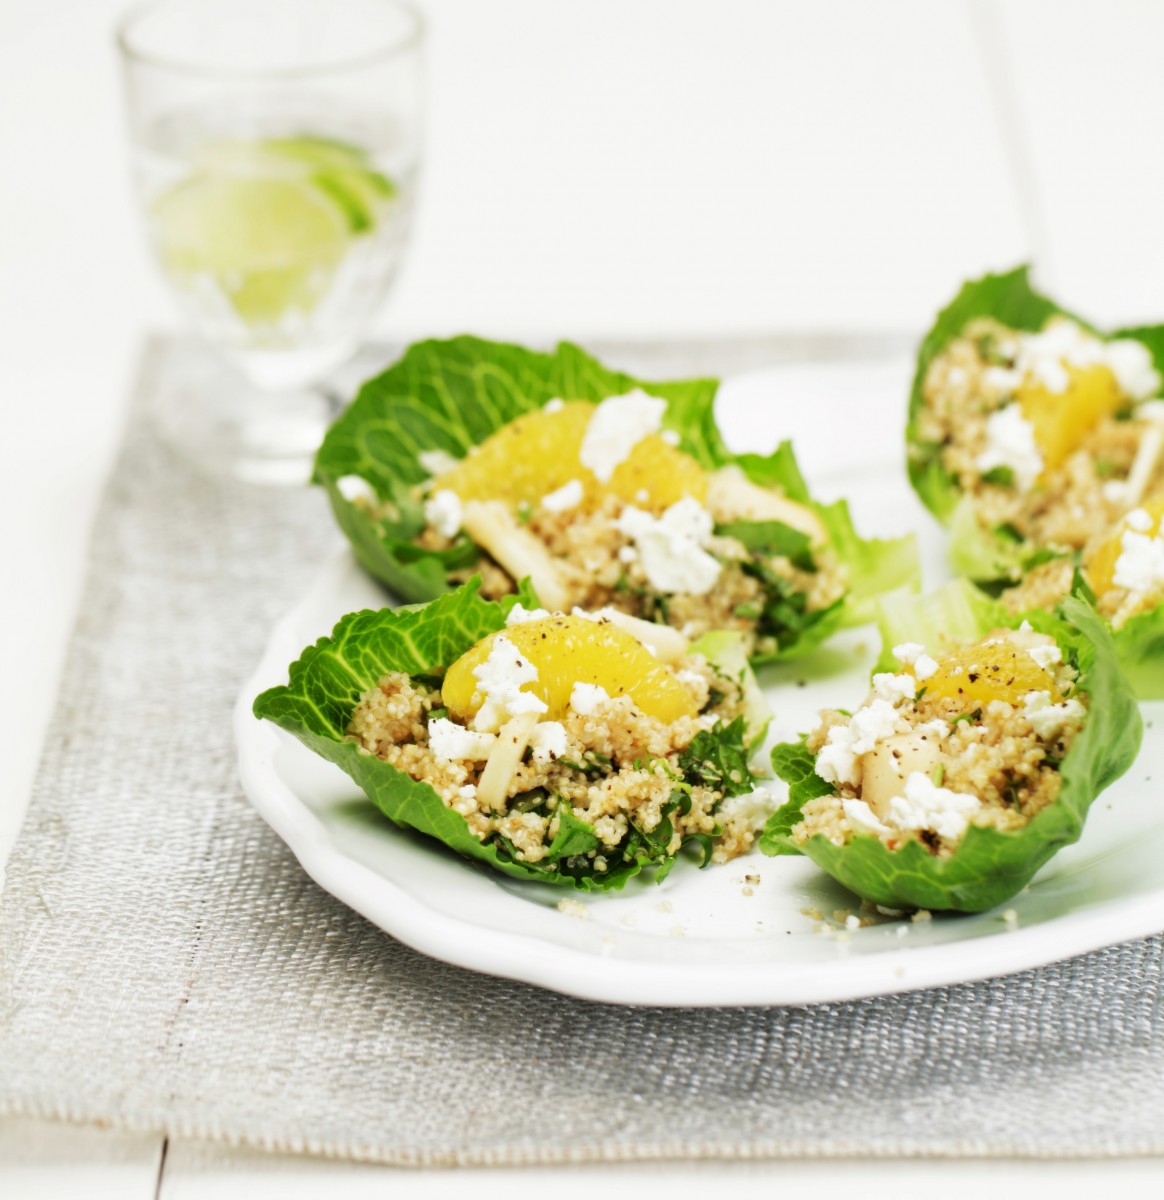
column 594, row 168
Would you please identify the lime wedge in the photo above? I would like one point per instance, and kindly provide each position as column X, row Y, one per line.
column 270, row 244
column 337, row 168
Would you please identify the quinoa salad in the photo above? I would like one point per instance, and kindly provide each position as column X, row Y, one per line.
column 471, row 458
column 677, row 561
column 973, row 737
column 573, row 748
column 1057, row 444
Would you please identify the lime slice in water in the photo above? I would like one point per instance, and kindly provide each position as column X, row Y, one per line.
column 337, row 168
column 269, row 243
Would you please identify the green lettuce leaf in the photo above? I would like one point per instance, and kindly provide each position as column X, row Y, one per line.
column 451, row 395
column 327, row 681
column 989, row 866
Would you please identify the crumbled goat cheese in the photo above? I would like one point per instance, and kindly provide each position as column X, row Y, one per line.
column 1002, row 379
column 519, row 614
column 1049, row 720
column 553, row 406
column 924, row 667
column 548, row 741
column 1113, row 491
column 862, row 818
column 937, row 727
column 499, row 679
column 437, row 462
column 1139, row 519
column 568, row 496
column 754, row 808
column 914, row 654
column 894, row 688
column 1010, row 442
column 927, row 806
column 353, row 488
column 618, row 425
column 671, row 546
column 670, row 437
column 443, row 511
column 908, row 652
column 454, row 743
column 585, row 698
column 1046, row 656
column 1140, row 566
column 1131, row 363
column 839, row 759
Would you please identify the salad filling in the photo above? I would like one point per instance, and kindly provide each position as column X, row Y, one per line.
column 637, row 526
column 1055, row 443
column 972, row 737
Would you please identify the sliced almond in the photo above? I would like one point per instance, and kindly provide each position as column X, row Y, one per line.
column 503, row 761
column 496, row 530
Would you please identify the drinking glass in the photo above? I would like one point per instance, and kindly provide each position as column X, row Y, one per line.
column 275, row 148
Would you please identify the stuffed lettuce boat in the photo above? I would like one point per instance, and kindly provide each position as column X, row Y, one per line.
column 1039, row 442
column 573, row 749
column 473, row 457
column 973, row 760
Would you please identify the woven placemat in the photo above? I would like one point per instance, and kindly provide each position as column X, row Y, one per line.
column 165, row 965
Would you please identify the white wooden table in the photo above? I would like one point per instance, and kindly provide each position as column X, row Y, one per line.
column 610, row 168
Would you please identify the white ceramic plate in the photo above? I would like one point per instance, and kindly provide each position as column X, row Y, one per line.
column 756, row 930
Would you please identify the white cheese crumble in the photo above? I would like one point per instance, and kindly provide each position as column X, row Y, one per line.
column 894, row 688
column 1010, row 442
column 924, row 667
column 1046, row 656
column 927, row 806
column 1049, row 720
column 670, row 437
column 839, row 759
column 1140, row 566
column 519, row 614
column 752, row 808
column 553, row 406
column 353, row 488
column 548, row 741
column 1140, row 520
column 908, row 652
column 586, row 698
column 443, row 511
column 862, row 818
column 568, row 496
column 670, row 547
column 499, row 680
column 437, row 462
column 1131, row 363
column 454, row 743
column 618, row 425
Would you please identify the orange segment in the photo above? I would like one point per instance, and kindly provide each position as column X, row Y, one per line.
column 1101, row 565
column 1062, row 419
column 986, row 671
column 540, row 452
column 569, row 650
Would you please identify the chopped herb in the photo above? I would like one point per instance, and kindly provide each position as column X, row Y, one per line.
column 939, row 774
column 1002, row 476
column 972, row 717
column 1105, row 468
column 1008, row 532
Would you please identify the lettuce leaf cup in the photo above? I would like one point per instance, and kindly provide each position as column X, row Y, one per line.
column 1039, row 442
column 972, row 762
column 474, row 457
column 576, row 749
